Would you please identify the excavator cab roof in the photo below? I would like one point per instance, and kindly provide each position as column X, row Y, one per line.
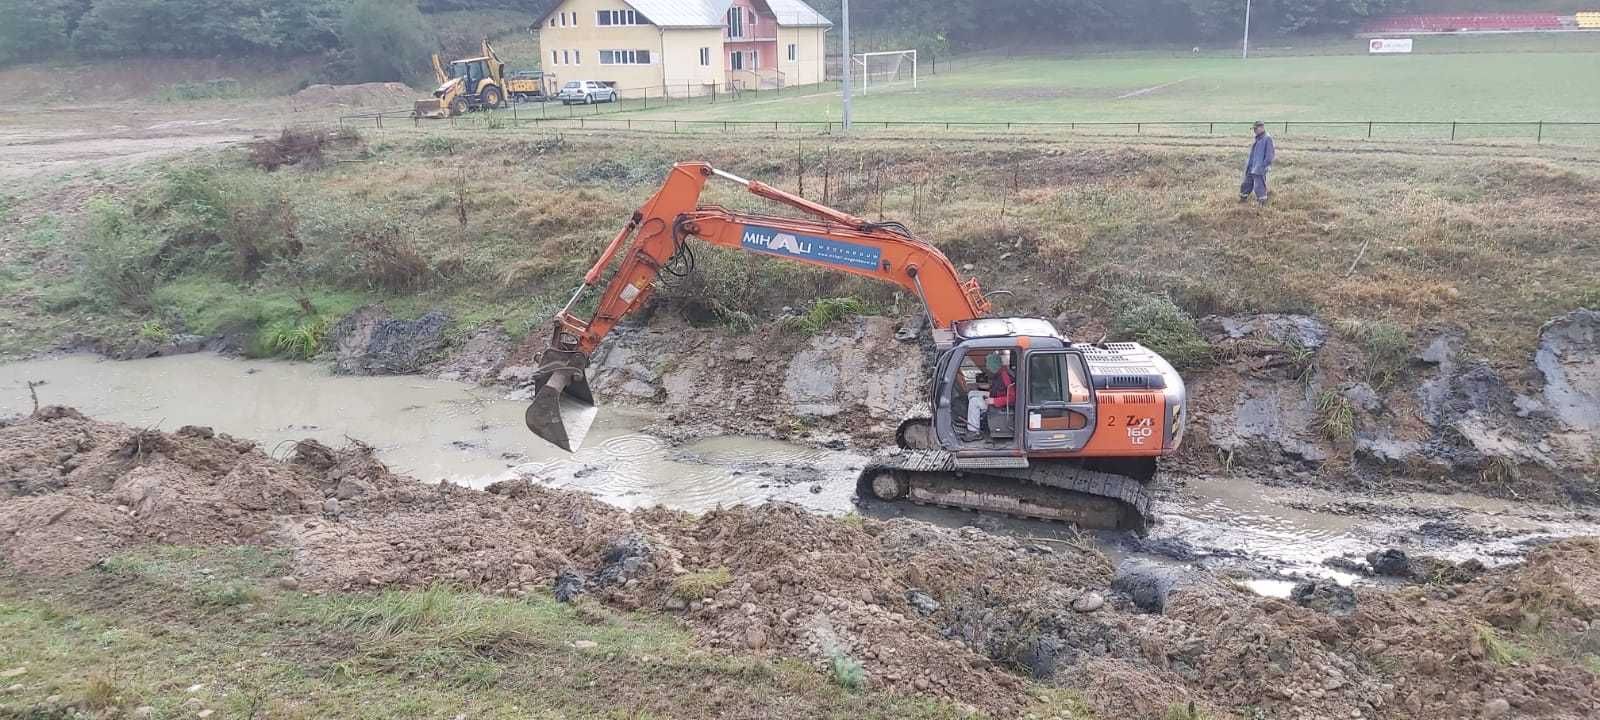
column 1006, row 327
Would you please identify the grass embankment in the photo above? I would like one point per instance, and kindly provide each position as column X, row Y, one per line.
column 498, row 226
column 183, row 630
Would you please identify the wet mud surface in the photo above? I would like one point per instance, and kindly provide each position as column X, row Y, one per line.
column 444, row 431
column 964, row 614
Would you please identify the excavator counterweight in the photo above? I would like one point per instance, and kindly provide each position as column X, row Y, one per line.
column 1025, row 421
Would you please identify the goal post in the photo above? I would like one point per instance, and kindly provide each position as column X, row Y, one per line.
column 886, row 67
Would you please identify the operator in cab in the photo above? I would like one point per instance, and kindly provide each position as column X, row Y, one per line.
column 1002, row 391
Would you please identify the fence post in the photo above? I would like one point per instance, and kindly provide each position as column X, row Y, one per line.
column 1369, row 129
column 1540, row 140
column 674, row 127
column 514, row 113
column 1211, row 129
column 1138, row 128
column 1452, row 131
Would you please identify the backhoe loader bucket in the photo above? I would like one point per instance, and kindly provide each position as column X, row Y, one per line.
column 562, row 409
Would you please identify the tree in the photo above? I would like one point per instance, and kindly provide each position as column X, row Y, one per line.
column 387, row 39
column 34, row 29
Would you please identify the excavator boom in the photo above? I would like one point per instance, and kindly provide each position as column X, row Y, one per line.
column 654, row 240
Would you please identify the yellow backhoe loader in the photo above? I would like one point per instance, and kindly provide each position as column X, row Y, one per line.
column 479, row 82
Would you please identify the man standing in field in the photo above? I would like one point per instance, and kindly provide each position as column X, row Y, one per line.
column 1262, row 153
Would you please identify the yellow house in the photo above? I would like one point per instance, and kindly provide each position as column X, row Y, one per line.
column 684, row 47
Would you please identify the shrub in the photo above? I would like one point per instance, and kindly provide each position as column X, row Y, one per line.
column 696, row 585
column 1386, row 346
column 823, row 313
column 299, row 339
column 848, row 672
column 1159, row 324
column 1336, row 418
column 121, row 261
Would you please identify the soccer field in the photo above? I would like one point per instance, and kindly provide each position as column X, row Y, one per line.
column 1473, row 86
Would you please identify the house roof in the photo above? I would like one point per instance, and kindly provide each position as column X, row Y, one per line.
column 711, row 13
column 795, row 13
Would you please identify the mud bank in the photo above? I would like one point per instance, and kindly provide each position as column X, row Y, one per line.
column 957, row 613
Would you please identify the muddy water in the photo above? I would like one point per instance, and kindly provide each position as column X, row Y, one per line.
column 448, row 431
column 433, row 430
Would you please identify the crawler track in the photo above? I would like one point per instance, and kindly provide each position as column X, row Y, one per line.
column 1046, row 490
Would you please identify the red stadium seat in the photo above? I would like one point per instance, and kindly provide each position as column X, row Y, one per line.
column 1465, row 23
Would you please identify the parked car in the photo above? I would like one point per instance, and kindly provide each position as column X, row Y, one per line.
column 587, row 92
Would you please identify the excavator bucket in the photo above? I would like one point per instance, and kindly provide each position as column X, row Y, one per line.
column 562, row 409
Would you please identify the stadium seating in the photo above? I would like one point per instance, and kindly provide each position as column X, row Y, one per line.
column 1468, row 23
column 1589, row 20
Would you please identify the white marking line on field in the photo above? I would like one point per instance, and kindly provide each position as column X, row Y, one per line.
column 1149, row 90
column 785, row 99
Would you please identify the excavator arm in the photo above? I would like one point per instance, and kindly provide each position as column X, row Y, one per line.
column 654, row 241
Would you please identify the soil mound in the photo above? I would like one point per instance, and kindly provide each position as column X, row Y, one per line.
column 955, row 613
column 381, row 94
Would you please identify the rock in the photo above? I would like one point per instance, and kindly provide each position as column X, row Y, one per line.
column 1148, row 584
column 516, row 374
column 676, row 604
column 1391, row 562
column 13, row 672
column 922, row 602
column 744, row 354
column 53, row 700
column 1498, row 707
column 1528, row 407
column 289, row 582
column 348, row 487
column 569, row 585
column 197, row 431
column 197, row 687
column 143, row 711
column 1362, row 395
column 1088, row 602
column 755, row 638
column 1324, row 596
column 204, row 713
column 1569, row 359
column 331, row 507
column 1299, row 331
column 370, row 341
column 585, row 644
column 14, row 688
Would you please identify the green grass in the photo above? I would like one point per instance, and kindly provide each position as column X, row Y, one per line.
column 1448, row 79
column 702, row 584
column 145, row 626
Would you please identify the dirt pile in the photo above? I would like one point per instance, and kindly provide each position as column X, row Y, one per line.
column 381, row 94
column 955, row 613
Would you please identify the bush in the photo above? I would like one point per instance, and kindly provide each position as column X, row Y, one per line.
column 848, row 672
column 387, row 40
column 1159, row 324
column 703, row 584
column 121, row 261
column 1386, row 345
column 298, row 339
column 822, row 314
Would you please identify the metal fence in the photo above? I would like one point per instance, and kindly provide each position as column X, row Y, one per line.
column 1532, row 131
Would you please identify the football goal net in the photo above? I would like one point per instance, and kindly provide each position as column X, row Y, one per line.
column 879, row 70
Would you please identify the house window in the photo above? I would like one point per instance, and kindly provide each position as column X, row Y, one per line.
column 735, row 22
column 566, row 59
column 705, row 57
column 624, row 57
column 791, row 52
column 736, row 60
column 577, row 57
column 616, row 17
column 563, row 19
column 555, row 58
column 574, row 19
column 755, row 59
column 552, row 22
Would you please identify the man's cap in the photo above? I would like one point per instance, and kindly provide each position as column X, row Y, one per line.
column 1259, row 124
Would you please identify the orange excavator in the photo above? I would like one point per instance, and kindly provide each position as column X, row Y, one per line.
column 1024, row 421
